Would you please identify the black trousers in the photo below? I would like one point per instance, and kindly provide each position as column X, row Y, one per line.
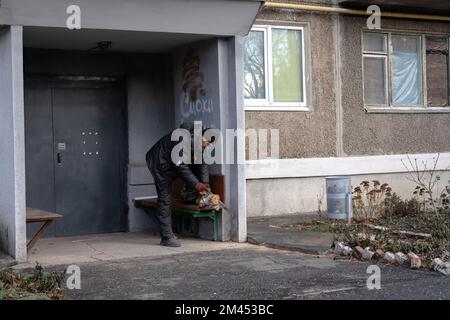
column 164, row 208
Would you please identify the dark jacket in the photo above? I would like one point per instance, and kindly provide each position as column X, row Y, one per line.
column 164, row 171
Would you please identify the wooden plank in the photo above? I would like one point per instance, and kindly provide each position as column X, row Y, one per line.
column 177, row 204
column 181, row 205
column 36, row 215
column 217, row 183
column 145, row 203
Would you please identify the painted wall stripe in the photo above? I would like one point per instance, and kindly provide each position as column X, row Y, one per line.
column 319, row 167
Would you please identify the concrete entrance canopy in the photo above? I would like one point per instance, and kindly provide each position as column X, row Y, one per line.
column 121, row 40
column 150, row 40
column 218, row 17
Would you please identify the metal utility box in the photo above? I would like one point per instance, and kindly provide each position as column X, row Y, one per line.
column 339, row 197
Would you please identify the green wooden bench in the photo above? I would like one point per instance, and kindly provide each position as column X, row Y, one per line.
column 183, row 209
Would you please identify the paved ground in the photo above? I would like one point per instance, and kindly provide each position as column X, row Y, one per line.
column 134, row 266
column 266, row 231
column 5, row 260
column 114, row 246
column 251, row 273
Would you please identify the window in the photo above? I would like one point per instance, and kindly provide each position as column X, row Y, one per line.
column 406, row 70
column 395, row 66
column 438, row 71
column 274, row 71
column 375, row 69
column 255, row 66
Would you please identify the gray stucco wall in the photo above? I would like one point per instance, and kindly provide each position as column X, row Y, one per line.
column 320, row 133
column 12, row 146
column 373, row 134
column 337, row 124
column 150, row 106
column 313, row 133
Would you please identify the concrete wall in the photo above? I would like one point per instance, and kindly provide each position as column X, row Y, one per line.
column 235, row 119
column 304, row 195
column 199, row 105
column 206, row 107
column 218, row 104
column 337, row 124
column 150, row 106
column 150, row 116
column 12, row 146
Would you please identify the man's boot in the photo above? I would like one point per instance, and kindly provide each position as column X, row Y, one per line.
column 170, row 242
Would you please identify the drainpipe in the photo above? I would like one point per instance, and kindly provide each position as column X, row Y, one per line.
column 305, row 7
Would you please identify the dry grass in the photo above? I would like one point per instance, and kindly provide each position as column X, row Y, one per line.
column 38, row 285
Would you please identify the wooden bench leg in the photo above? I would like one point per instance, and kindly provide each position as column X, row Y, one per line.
column 38, row 234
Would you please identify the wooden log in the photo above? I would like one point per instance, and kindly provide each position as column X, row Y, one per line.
column 400, row 232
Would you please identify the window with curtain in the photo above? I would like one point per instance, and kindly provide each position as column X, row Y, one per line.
column 393, row 69
column 274, row 74
column 406, row 70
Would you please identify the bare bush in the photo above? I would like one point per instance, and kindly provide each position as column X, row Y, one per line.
column 428, row 191
column 369, row 200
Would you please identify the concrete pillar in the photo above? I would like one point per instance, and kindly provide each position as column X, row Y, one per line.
column 12, row 145
column 236, row 120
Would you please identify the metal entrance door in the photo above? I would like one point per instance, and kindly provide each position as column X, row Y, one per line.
column 86, row 176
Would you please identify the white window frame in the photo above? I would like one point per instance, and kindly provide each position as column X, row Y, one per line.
column 268, row 104
column 383, row 56
column 259, row 102
column 390, row 106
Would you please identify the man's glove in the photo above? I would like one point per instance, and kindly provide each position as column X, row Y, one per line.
column 201, row 187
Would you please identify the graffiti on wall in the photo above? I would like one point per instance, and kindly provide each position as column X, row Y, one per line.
column 194, row 100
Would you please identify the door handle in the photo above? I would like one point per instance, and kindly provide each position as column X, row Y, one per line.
column 61, row 147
